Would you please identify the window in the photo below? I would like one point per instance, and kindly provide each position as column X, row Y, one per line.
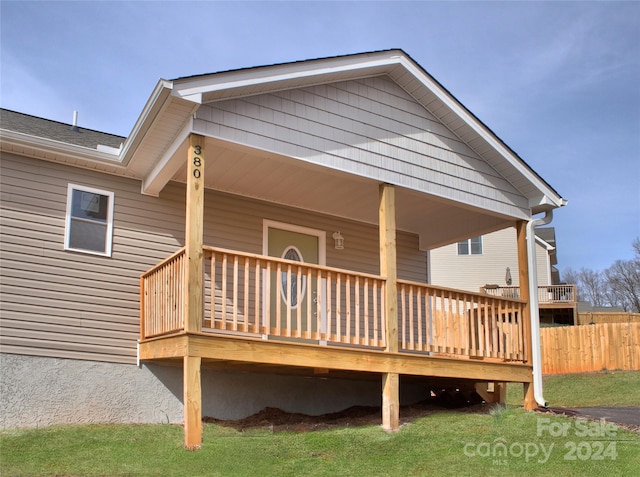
column 89, row 224
column 471, row 246
column 290, row 288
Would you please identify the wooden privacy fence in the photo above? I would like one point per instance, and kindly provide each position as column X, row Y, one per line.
column 579, row 349
column 588, row 317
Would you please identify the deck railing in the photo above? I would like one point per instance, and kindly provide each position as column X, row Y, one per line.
column 249, row 294
column 455, row 322
column 162, row 297
column 547, row 294
column 242, row 294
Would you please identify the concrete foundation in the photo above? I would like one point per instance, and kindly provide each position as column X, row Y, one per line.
column 37, row 391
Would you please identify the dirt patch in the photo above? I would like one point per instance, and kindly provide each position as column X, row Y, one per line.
column 277, row 420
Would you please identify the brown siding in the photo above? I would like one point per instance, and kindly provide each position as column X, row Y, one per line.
column 72, row 305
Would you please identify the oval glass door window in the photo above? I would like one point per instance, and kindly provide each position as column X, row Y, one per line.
column 290, row 290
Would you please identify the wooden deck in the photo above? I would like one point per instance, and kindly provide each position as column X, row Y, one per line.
column 256, row 311
column 557, row 304
column 548, row 295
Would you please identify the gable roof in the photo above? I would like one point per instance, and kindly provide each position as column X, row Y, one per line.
column 180, row 98
column 278, row 83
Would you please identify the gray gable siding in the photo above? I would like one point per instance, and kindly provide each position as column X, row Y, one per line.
column 369, row 127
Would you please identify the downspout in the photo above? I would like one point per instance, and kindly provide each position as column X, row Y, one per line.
column 533, row 305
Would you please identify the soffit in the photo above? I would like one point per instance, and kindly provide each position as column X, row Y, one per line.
column 282, row 180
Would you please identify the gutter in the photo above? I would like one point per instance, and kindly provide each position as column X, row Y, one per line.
column 534, row 306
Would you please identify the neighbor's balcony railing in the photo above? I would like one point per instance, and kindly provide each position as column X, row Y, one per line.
column 251, row 294
column 547, row 294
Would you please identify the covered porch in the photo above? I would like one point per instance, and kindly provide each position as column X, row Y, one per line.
column 206, row 305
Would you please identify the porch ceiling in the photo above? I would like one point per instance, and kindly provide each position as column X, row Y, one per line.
column 292, row 182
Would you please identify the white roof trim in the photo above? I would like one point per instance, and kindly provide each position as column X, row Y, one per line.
column 194, row 88
column 51, row 146
column 155, row 104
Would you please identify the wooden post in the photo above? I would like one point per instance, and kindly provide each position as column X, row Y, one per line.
column 194, row 230
column 192, row 395
column 390, row 401
column 193, row 299
column 388, row 269
column 523, row 266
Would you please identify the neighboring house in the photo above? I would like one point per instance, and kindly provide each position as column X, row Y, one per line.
column 489, row 263
column 259, row 239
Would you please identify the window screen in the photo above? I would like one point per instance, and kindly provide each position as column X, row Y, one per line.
column 89, row 220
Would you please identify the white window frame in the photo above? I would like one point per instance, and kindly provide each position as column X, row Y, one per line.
column 109, row 231
column 469, row 247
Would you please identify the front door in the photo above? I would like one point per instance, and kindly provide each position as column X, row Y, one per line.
column 290, row 292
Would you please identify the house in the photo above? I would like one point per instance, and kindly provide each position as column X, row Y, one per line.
column 489, row 264
column 259, row 239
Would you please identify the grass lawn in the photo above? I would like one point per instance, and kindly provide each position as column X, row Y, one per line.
column 504, row 441
column 607, row 388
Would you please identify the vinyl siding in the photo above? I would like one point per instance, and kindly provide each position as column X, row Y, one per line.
column 470, row 272
column 370, row 127
column 73, row 305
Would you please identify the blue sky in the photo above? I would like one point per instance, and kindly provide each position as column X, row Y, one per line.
column 559, row 82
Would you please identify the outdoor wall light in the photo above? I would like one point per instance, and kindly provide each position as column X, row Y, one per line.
column 507, row 277
column 339, row 239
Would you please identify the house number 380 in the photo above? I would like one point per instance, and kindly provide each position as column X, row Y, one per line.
column 197, row 161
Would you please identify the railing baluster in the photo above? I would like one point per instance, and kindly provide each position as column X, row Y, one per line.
column 310, row 291
column 367, row 341
column 357, row 311
column 278, row 330
column 318, row 298
column 329, row 305
column 267, row 299
column 235, row 285
column 339, row 307
column 298, row 333
column 223, row 300
column 347, row 291
column 256, row 297
column 245, row 296
column 212, row 273
column 376, row 331
column 419, row 295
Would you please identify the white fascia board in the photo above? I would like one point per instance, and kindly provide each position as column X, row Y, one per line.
column 51, row 146
column 549, row 196
column 543, row 202
column 155, row 104
column 545, row 244
column 168, row 164
column 195, row 87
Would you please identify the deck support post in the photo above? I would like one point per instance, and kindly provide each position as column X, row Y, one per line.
column 388, row 269
column 192, row 395
column 390, row 401
column 194, row 291
column 523, row 266
column 193, row 238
